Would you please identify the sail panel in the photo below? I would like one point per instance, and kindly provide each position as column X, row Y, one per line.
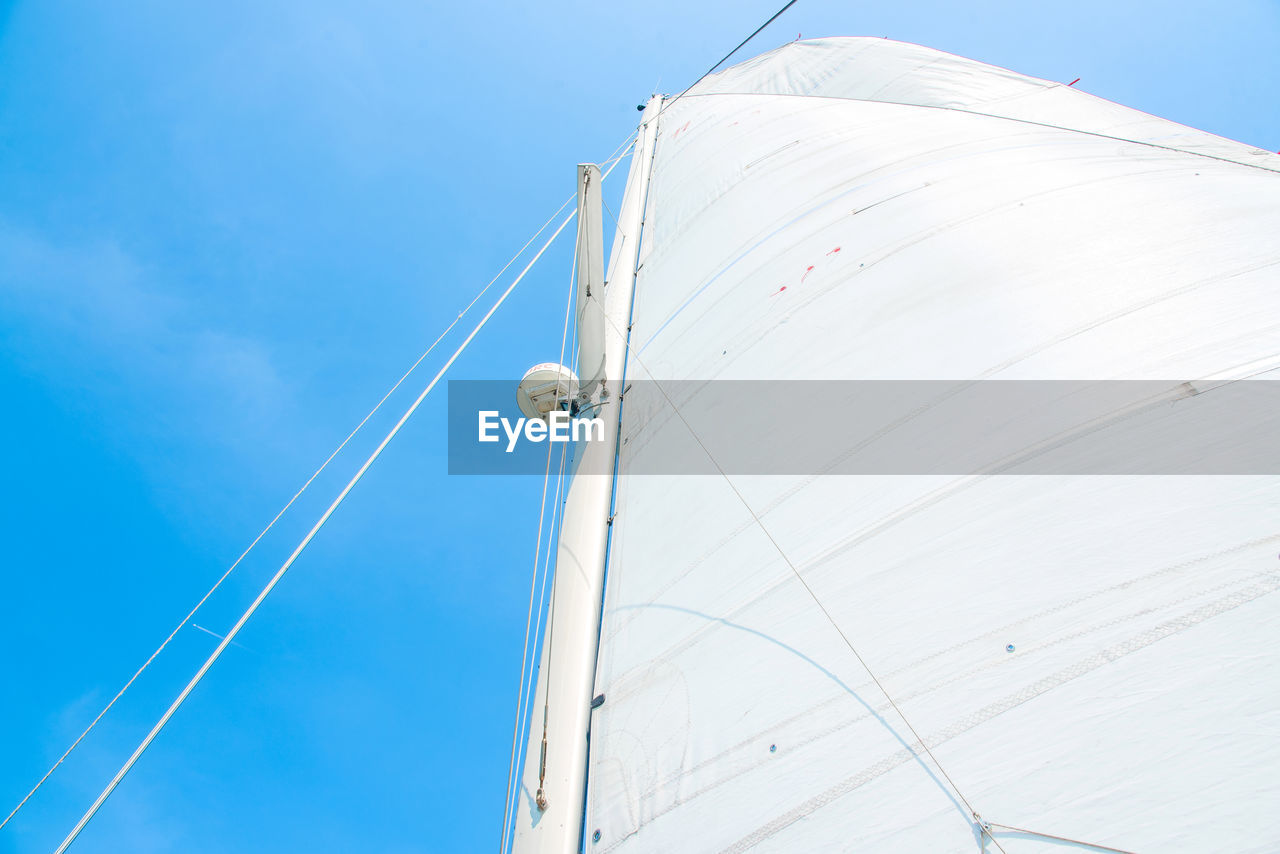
column 887, row 71
column 1083, row 655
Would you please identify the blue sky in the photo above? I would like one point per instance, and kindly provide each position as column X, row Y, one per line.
column 225, row 229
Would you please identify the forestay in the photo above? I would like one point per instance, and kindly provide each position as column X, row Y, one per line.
column 865, row 209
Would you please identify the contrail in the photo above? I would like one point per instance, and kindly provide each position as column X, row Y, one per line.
column 218, row 636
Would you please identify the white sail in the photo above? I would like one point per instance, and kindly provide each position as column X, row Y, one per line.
column 1086, row 657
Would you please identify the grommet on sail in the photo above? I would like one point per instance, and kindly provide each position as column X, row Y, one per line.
column 813, row 661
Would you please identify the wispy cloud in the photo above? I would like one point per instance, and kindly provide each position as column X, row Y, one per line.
column 93, row 304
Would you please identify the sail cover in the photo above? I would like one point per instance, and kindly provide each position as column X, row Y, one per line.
column 1088, row 656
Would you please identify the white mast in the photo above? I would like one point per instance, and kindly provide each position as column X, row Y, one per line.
column 553, row 782
column 590, row 308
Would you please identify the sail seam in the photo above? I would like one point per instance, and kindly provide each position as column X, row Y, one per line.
column 979, row 113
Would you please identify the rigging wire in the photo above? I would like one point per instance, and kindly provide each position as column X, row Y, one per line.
column 617, row 154
column 989, row 824
column 185, row 620
column 524, row 661
column 528, row 688
column 244, row 618
column 740, row 46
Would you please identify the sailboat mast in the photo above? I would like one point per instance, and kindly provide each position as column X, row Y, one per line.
column 553, row 781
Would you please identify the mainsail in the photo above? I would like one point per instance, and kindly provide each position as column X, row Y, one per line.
column 933, row 662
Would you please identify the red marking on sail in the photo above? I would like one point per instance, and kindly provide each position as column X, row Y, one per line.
column 834, row 251
column 807, row 271
column 682, row 128
column 778, row 291
column 1074, row 82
